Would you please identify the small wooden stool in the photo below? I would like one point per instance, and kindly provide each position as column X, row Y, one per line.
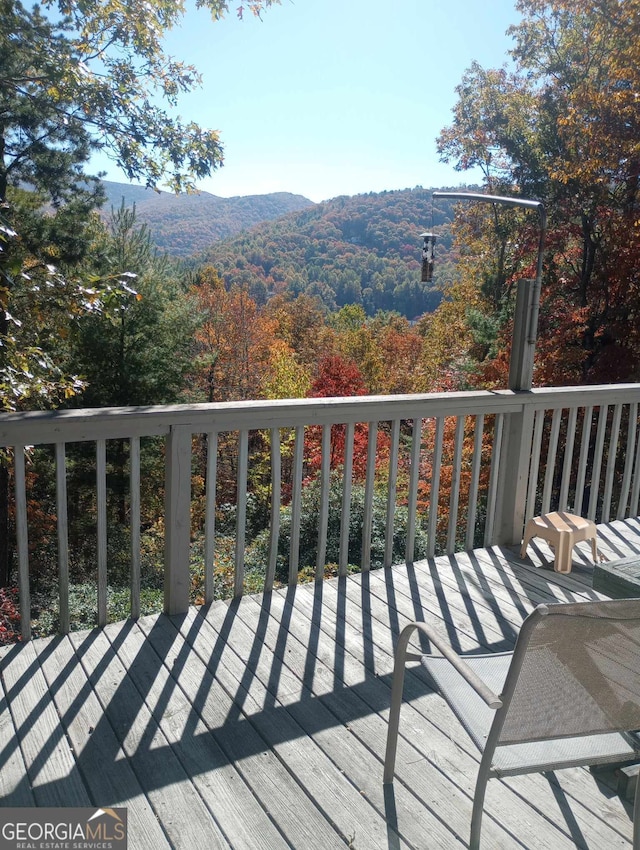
column 562, row 531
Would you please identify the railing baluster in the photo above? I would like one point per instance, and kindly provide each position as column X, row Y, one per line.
column 412, row 500
column 635, row 493
column 22, row 539
column 367, row 523
column 210, row 516
column 519, row 419
column 552, row 452
column 434, row 494
column 597, row 461
column 475, row 481
column 628, row 461
column 455, row 486
column 611, row 463
column 347, row 484
column 296, row 505
column 241, row 511
column 536, row 447
column 134, row 508
column 177, row 535
column 323, row 513
column 391, row 495
column 63, row 538
column 563, row 501
column 582, row 461
column 276, row 495
column 101, row 494
column 494, row 475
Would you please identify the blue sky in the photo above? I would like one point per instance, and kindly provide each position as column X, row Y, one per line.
column 335, row 97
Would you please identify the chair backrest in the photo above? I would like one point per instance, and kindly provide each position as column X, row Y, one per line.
column 575, row 671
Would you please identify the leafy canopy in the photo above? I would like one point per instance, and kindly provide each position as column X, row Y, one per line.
column 81, row 74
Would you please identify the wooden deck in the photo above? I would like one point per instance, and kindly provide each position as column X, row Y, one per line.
column 261, row 723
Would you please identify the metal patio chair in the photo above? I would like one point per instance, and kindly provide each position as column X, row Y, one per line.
column 567, row 696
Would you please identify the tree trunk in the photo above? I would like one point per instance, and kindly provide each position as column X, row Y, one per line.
column 5, row 549
column 5, row 281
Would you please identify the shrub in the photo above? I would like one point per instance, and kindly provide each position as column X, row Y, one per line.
column 258, row 551
column 83, row 607
column 223, row 570
column 9, row 615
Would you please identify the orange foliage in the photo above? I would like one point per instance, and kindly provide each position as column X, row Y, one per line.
column 234, row 341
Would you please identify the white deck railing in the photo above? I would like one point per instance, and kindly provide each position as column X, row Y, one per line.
column 502, row 456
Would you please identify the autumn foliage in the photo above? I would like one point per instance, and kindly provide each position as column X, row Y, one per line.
column 9, row 615
column 337, row 377
column 561, row 126
column 327, row 303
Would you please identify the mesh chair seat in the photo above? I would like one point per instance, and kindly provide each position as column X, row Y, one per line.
column 511, row 759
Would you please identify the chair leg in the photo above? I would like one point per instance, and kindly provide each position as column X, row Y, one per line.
column 396, row 701
column 636, row 819
column 478, row 802
column 563, row 562
column 392, row 730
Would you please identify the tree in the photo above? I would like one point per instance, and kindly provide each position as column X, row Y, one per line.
column 75, row 77
column 233, row 340
column 134, row 352
column 138, row 352
column 285, row 377
column 563, row 127
column 99, row 72
column 400, row 345
column 337, row 376
column 300, row 323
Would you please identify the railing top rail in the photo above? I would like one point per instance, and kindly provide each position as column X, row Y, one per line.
column 38, row 427
column 45, row 427
column 553, row 397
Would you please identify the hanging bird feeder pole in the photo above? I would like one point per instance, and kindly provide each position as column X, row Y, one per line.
column 525, row 325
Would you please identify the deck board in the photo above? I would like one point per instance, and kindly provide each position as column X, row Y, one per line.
column 266, row 710
column 264, row 789
column 260, row 724
column 82, row 718
column 166, row 784
column 51, row 769
column 429, row 721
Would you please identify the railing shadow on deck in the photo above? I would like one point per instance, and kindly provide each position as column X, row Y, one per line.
column 226, row 654
column 174, row 650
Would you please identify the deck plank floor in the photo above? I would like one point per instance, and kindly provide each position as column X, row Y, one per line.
column 260, row 724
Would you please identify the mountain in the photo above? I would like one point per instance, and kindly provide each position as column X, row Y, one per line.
column 183, row 225
column 365, row 249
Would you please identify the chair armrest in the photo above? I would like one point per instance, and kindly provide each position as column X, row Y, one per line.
column 469, row 675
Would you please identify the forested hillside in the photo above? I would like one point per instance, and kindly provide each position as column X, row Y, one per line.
column 182, row 225
column 363, row 250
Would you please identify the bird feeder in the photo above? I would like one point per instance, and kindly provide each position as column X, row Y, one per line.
column 428, row 252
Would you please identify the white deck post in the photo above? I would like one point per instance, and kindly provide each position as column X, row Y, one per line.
column 513, row 476
column 177, row 520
